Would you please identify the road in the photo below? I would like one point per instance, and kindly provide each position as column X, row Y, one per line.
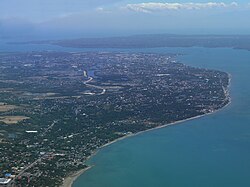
column 11, row 183
column 50, row 127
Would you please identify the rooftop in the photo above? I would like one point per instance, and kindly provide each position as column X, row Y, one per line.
column 4, row 181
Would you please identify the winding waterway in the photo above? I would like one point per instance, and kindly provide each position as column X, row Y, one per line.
column 212, row 151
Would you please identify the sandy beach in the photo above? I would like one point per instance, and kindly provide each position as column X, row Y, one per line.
column 68, row 181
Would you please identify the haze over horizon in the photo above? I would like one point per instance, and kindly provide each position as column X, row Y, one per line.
column 96, row 18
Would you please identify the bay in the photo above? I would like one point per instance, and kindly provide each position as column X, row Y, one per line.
column 212, row 151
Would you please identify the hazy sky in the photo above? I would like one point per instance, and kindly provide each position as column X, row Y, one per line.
column 108, row 17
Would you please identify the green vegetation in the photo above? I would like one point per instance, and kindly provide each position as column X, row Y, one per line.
column 69, row 115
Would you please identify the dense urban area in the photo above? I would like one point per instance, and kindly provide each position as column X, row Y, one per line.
column 58, row 108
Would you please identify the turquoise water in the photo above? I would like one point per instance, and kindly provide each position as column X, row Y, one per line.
column 213, row 151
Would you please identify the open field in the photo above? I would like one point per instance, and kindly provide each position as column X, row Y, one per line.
column 12, row 119
column 5, row 107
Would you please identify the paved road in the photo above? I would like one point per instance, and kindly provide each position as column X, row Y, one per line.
column 21, row 172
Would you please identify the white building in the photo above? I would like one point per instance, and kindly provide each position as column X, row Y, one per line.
column 4, row 181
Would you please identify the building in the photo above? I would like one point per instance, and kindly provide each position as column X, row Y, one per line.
column 4, row 181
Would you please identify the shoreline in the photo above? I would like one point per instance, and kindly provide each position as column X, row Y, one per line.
column 68, row 181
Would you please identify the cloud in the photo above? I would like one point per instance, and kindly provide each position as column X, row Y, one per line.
column 102, row 10
column 154, row 6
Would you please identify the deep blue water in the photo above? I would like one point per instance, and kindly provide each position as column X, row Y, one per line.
column 213, row 151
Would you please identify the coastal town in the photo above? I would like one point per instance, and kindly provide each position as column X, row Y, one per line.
column 58, row 108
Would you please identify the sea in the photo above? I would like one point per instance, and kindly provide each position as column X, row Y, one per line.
column 211, row 151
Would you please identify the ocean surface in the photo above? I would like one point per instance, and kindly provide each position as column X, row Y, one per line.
column 212, row 151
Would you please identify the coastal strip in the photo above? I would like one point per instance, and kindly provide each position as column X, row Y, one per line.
column 145, row 90
column 68, row 181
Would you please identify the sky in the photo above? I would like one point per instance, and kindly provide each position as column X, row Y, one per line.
column 97, row 18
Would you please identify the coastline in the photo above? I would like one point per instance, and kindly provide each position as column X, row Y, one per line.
column 68, row 181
